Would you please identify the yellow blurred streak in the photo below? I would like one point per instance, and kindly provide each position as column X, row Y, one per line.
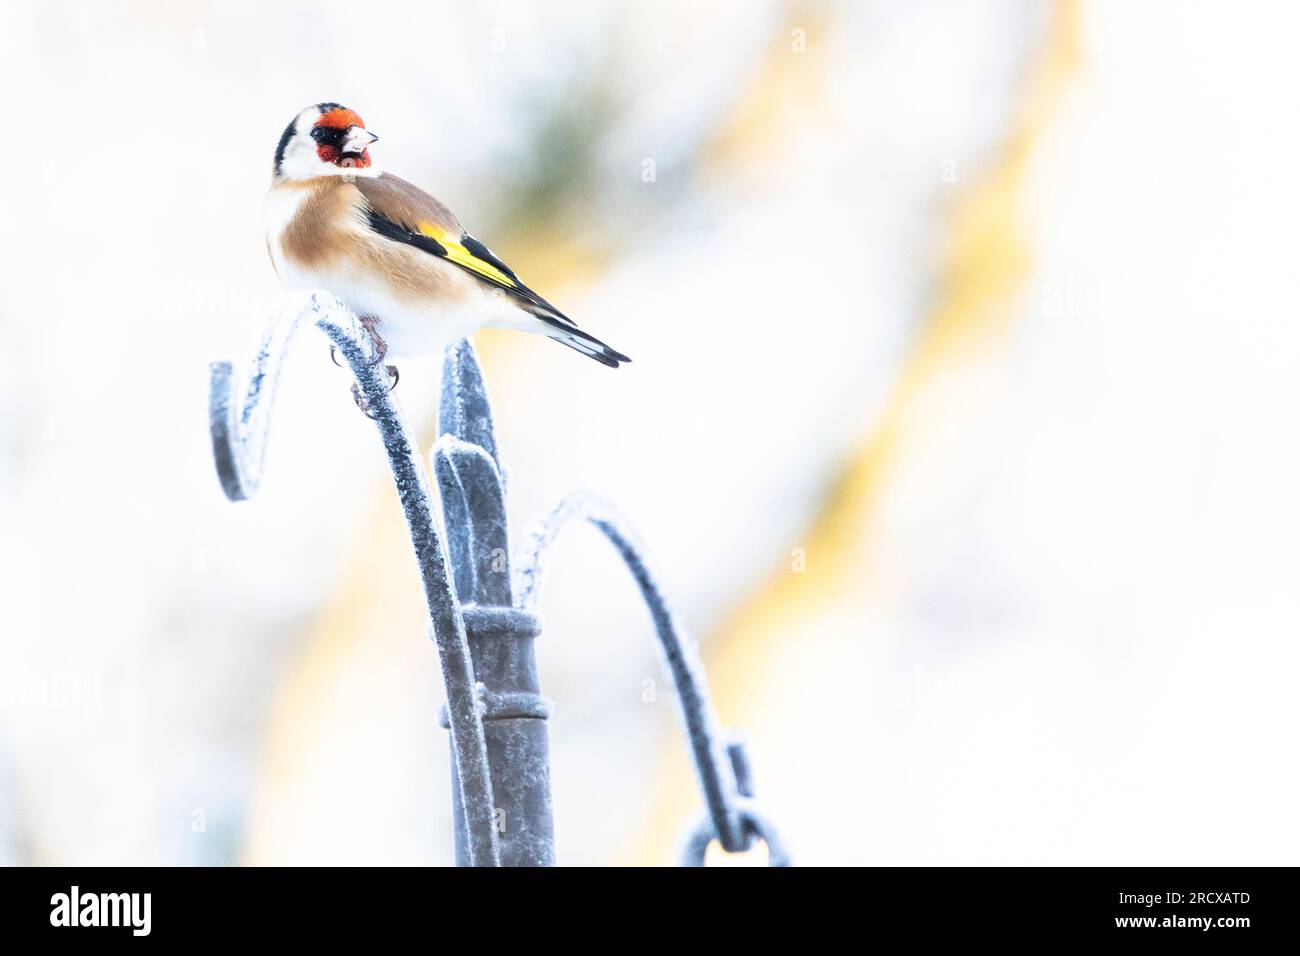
column 375, row 602
column 987, row 269
column 785, row 94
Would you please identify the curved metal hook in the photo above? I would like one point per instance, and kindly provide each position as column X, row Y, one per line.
column 474, row 509
column 239, row 430
column 465, row 411
column 723, row 777
column 239, row 436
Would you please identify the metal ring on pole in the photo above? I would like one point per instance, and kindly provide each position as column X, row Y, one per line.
column 755, row 824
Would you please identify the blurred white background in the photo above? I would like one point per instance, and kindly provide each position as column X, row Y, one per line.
column 958, row 426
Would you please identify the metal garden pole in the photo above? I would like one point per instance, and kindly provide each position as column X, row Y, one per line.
column 500, row 636
column 495, row 711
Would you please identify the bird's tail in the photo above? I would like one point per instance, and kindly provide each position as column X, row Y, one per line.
column 568, row 334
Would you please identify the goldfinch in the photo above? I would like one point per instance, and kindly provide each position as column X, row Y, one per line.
column 391, row 252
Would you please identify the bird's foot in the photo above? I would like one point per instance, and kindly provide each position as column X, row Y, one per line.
column 371, row 325
column 360, row 399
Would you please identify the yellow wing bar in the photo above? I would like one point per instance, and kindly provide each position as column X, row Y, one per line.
column 458, row 254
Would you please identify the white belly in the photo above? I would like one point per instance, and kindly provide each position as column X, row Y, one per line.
column 409, row 329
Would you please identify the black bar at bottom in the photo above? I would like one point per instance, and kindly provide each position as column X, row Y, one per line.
column 210, row 906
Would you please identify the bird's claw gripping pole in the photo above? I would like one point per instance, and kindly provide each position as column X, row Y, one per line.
column 239, row 436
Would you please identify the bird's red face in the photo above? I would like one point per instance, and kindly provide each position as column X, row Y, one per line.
column 341, row 138
column 327, row 139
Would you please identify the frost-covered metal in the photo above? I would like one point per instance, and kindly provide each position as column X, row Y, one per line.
column 716, row 768
column 482, row 616
column 239, row 436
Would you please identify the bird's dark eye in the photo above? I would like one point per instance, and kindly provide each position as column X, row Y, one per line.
column 318, row 133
